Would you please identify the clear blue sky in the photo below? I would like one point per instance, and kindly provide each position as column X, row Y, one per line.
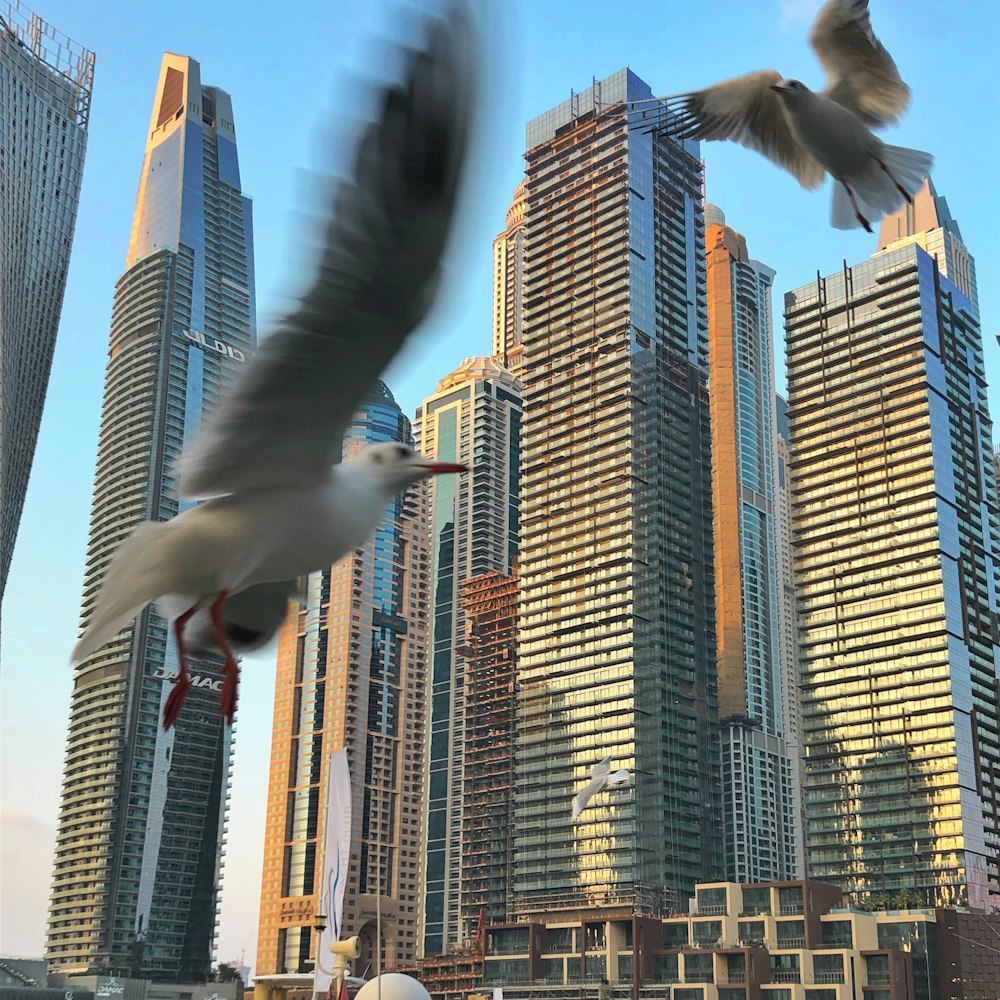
column 286, row 67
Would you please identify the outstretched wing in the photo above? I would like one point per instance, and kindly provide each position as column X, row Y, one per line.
column 619, row 776
column 585, row 794
column 861, row 75
column 743, row 109
column 284, row 421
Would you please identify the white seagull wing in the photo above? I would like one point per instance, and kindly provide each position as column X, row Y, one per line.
column 861, row 75
column 619, row 776
column 743, row 109
column 585, row 794
column 284, row 420
column 145, row 566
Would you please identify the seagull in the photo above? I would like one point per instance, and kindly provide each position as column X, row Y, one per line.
column 600, row 777
column 277, row 505
column 811, row 134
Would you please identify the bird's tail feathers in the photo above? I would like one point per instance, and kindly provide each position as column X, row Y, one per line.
column 875, row 191
column 139, row 572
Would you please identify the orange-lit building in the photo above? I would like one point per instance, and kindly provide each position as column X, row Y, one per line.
column 756, row 676
column 352, row 673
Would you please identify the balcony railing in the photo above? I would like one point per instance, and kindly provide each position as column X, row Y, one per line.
column 711, row 910
column 791, row 942
column 828, row 977
column 789, row 976
column 790, row 909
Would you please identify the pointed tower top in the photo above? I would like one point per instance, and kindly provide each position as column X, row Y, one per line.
column 929, row 210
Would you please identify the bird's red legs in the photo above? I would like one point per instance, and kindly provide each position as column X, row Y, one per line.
column 175, row 700
column 231, row 683
column 857, row 211
column 899, row 187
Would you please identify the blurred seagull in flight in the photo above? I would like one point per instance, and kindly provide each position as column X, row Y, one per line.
column 277, row 504
column 600, row 778
column 808, row 133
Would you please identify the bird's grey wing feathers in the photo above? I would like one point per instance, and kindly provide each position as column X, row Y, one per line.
column 861, row 75
column 743, row 109
column 618, row 777
column 284, row 420
column 143, row 568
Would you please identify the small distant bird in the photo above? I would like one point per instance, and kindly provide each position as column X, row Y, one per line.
column 811, row 134
column 277, row 506
column 601, row 777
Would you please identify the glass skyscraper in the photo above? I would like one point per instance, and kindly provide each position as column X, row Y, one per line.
column 508, row 287
column 46, row 81
column 141, row 823
column 352, row 672
column 896, row 542
column 758, row 768
column 474, row 418
column 616, row 640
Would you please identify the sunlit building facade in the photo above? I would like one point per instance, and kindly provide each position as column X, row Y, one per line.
column 896, row 535
column 616, row 640
column 474, row 418
column 46, row 80
column 142, row 818
column 758, row 770
column 352, row 673
column 508, row 287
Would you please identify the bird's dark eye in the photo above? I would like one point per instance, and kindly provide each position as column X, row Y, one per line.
column 377, row 457
column 794, row 84
column 403, row 452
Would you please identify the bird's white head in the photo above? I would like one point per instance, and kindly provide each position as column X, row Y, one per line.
column 395, row 466
column 792, row 92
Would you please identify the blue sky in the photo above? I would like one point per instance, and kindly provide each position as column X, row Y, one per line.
column 287, row 69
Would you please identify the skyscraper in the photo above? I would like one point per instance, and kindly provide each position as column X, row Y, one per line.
column 141, row 823
column 46, row 81
column 474, row 418
column 896, row 530
column 758, row 771
column 352, row 673
column 616, row 654
column 508, row 287
column 490, row 654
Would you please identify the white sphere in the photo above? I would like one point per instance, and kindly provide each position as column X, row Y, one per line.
column 395, row 986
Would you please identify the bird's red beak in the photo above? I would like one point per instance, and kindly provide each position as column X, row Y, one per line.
column 436, row 468
column 777, row 88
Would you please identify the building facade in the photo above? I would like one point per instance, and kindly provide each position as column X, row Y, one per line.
column 896, row 530
column 617, row 654
column 141, row 823
column 474, row 418
column 758, row 770
column 352, row 674
column 46, row 81
column 794, row 940
column 508, row 287
column 490, row 654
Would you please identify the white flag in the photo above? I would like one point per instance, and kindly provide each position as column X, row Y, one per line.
column 336, row 861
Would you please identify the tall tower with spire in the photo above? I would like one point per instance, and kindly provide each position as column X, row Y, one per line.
column 142, row 816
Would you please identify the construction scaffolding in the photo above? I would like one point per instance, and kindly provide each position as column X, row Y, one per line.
column 490, row 652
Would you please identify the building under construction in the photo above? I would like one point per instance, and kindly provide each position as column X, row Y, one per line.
column 490, row 605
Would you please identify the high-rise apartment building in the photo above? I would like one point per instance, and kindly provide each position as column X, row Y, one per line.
column 788, row 645
column 352, row 673
column 508, row 287
column 617, row 652
column 490, row 653
column 141, row 823
column 474, row 418
column 758, row 771
column 896, row 538
column 46, row 81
